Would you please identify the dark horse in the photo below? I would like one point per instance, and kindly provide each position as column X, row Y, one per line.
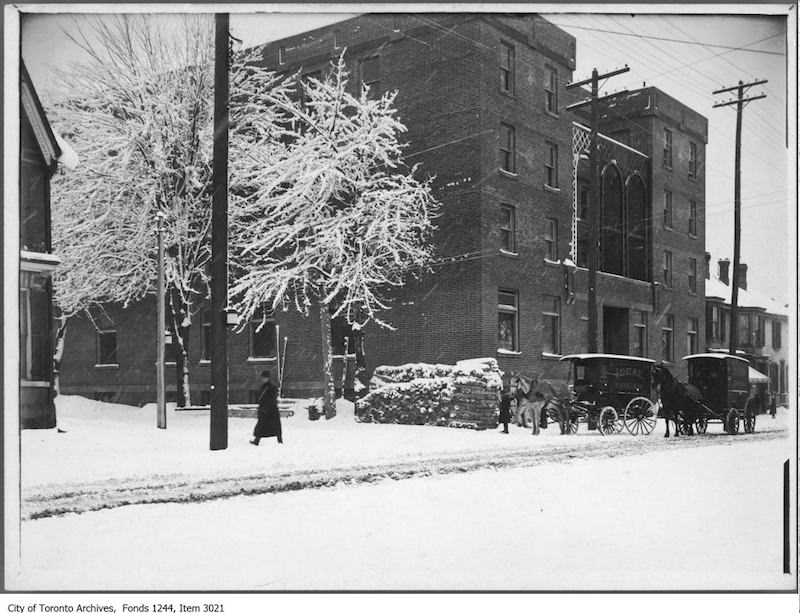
column 679, row 401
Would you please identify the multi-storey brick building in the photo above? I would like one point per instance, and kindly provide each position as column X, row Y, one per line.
column 483, row 98
column 763, row 327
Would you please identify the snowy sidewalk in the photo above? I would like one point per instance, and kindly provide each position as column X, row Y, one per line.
column 112, row 455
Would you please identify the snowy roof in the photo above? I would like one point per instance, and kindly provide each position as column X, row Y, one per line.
column 748, row 298
column 592, row 356
column 718, row 356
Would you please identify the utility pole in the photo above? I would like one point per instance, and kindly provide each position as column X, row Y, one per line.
column 219, row 239
column 594, row 202
column 740, row 101
column 161, row 317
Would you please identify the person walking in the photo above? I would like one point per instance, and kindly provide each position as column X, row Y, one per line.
column 773, row 406
column 505, row 411
column 269, row 417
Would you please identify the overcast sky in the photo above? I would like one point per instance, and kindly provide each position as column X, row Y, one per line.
column 717, row 51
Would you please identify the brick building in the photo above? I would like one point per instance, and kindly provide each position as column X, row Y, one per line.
column 483, row 98
column 39, row 154
column 763, row 327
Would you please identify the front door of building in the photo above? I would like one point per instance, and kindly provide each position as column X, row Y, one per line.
column 615, row 330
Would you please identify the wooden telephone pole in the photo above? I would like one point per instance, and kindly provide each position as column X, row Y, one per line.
column 740, row 101
column 219, row 240
column 594, row 203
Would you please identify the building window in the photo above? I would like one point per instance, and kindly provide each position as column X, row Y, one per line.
column 715, row 323
column 25, row 349
column 667, row 148
column 691, row 336
column 758, row 331
column 550, row 89
column 508, row 151
column 342, row 338
column 370, row 71
column 667, row 268
column 693, row 275
column 551, row 165
column 583, row 252
column 776, row 335
column 692, row 218
column 262, row 338
column 692, row 160
column 107, row 343
column 205, row 336
column 507, row 222
column 281, row 55
column 666, row 338
column 640, row 334
column 507, row 70
column 744, row 329
column 724, row 325
column 583, row 200
column 667, row 208
column 551, row 239
column 551, row 339
column 507, row 320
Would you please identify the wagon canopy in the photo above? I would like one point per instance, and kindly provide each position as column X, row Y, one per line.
column 756, row 377
column 592, row 356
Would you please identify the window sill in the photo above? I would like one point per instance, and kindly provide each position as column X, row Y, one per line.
column 339, row 356
column 692, row 236
column 667, row 288
column 507, row 94
column 509, row 354
column 550, row 262
column 551, row 356
column 505, row 173
column 32, row 383
column 260, row 360
column 669, row 228
column 551, row 113
column 509, row 254
column 106, row 366
column 204, row 363
column 665, row 167
column 550, row 188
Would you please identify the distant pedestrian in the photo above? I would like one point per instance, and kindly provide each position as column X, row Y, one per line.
column 269, row 417
column 773, row 406
column 536, row 412
column 505, row 411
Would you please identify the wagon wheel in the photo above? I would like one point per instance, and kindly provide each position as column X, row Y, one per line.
column 750, row 423
column 701, row 424
column 732, row 421
column 640, row 416
column 608, row 422
column 683, row 426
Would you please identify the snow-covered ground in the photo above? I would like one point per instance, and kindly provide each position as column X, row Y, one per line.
column 106, row 441
column 706, row 517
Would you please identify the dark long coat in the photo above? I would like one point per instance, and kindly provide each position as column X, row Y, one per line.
column 269, row 418
column 505, row 409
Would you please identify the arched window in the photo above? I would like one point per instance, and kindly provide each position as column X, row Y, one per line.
column 611, row 223
column 637, row 252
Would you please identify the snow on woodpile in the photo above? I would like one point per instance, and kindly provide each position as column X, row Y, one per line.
column 464, row 395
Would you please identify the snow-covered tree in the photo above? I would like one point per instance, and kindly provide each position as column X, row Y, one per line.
column 331, row 219
column 138, row 110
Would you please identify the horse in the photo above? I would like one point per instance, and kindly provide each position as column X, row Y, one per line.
column 521, row 389
column 679, row 401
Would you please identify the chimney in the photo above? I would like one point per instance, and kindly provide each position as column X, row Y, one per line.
column 708, row 265
column 724, row 271
column 742, row 275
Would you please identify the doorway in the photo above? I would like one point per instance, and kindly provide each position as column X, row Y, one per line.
column 615, row 330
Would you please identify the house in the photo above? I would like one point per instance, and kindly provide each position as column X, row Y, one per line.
column 483, row 97
column 40, row 152
column 763, row 327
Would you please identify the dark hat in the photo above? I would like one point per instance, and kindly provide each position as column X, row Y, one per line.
column 265, row 373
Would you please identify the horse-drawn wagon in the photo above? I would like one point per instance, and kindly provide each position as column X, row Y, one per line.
column 724, row 386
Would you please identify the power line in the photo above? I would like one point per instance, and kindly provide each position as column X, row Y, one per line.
column 676, row 40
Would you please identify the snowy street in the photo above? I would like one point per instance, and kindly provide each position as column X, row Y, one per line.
column 492, row 511
column 691, row 518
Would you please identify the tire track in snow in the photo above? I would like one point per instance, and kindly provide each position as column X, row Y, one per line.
column 60, row 499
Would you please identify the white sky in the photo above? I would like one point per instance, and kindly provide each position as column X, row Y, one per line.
column 688, row 72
